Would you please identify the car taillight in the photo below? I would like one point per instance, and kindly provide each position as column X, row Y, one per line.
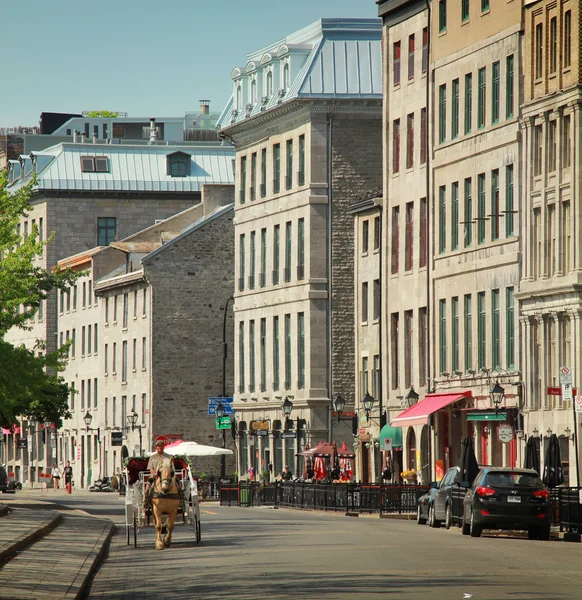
column 541, row 494
column 485, row 491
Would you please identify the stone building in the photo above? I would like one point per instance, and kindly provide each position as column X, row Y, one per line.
column 90, row 195
column 305, row 118
column 551, row 303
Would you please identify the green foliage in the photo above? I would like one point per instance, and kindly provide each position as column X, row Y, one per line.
column 101, row 113
column 29, row 380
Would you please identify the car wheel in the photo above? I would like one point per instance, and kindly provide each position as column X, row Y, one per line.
column 420, row 520
column 544, row 533
column 532, row 534
column 448, row 517
column 465, row 527
column 434, row 522
column 474, row 529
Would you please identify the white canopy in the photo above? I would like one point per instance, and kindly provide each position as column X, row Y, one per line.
column 195, row 449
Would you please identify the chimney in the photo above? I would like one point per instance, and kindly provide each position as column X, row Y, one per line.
column 204, row 107
column 94, row 138
column 75, row 137
column 153, row 130
column 83, row 137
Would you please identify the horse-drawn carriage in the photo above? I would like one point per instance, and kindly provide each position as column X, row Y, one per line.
column 183, row 495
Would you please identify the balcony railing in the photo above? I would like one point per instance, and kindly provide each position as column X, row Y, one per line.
column 252, row 193
column 287, row 274
column 300, row 177
column 288, row 182
column 262, row 279
column 241, row 195
column 241, row 388
column 251, row 282
column 263, row 190
column 300, row 272
column 241, row 284
column 276, row 186
column 275, row 275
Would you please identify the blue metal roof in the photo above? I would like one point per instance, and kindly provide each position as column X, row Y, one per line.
column 131, row 168
column 332, row 58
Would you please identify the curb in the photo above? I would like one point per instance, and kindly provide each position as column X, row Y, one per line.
column 28, row 539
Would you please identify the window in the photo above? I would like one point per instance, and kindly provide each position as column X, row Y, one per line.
column 365, row 232
column 94, row 164
column 539, row 51
column 83, row 339
column 106, row 359
column 496, row 327
column 552, row 128
column 89, row 339
column 276, row 168
column 468, row 102
column 287, row 352
column 551, row 241
column 567, row 39
column 455, row 110
column 410, row 141
column 364, row 376
column 422, row 349
column 537, row 245
column 566, row 134
column 365, row 302
column 114, row 359
column 442, row 16
column 134, row 355
column 68, row 300
column 442, row 336
column 376, row 233
column 482, row 106
column 442, row 219
column 288, row 250
column 95, row 391
column 376, row 376
column 263, row 172
column 242, row 261
column 411, row 57
column 82, row 394
column 125, row 310
column 566, row 241
column 135, row 304
column 553, row 45
column 124, row 361
column 484, row 5
column 253, row 259
column 481, row 218
column 143, row 354
column 468, row 327
column 396, row 146
column 409, row 236
column 509, row 87
column 394, row 349
column 464, row 10
column 243, row 179
column 425, row 49
column 300, row 350
column 276, row 242
column 144, row 304
column 442, row 113
column 178, row 164
column 423, row 136
column 253, row 176
column 75, row 297
column 495, row 93
column 396, row 63
column 395, row 238
column 509, row 201
column 289, row 165
column 509, row 329
column 275, row 353
column 495, row 204
column 106, row 230
column 455, row 215
column 106, row 311
column 377, row 300
column 422, row 233
column 408, row 348
column 251, row 355
column 301, row 173
column 481, row 331
column 241, row 357
column 263, row 272
column 455, row 333
column 300, row 249
column 263, row 355
column 538, row 137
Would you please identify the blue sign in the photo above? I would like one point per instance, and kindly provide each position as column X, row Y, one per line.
column 226, row 402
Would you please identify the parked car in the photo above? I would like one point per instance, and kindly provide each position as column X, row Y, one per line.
column 424, row 504
column 6, row 486
column 507, row 498
column 442, row 503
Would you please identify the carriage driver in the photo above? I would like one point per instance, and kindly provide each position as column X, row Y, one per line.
column 153, row 464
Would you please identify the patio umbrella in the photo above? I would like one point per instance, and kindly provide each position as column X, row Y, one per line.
column 468, row 467
column 532, row 455
column 553, row 475
column 194, row 449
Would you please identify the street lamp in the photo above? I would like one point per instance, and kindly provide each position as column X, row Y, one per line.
column 88, row 418
column 132, row 418
column 287, row 406
column 368, row 402
column 412, row 397
column 338, row 405
column 496, row 394
column 220, row 410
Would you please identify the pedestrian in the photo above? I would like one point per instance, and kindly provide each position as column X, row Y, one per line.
column 114, row 481
column 286, row 475
column 386, row 474
column 56, row 475
column 68, row 476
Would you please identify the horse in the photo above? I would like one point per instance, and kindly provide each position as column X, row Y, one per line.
column 165, row 500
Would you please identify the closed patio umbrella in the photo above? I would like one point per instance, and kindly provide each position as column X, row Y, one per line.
column 532, row 455
column 468, row 467
column 553, row 475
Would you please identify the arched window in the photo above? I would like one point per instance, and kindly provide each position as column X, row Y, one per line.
column 286, row 77
column 253, row 98
column 238, row 104
column 269, row 91
column 178, row 164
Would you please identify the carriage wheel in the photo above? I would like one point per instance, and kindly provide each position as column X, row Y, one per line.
column 134, row 530
column 197, row 528
column 128, row 527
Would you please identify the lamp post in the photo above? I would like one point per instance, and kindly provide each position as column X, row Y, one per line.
column 87, row 418
column 496, row 394
column 32, row 422
column 219, row 414
column 84, row 445
column 338, row 405
column 368, row 402
column 132, row 418
column 412, row 397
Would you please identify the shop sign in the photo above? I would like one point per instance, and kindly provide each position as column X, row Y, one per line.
column 23, row 443
column 117, row 438
column 505, row 433
column 387, row 444
column 262, row 433
column 259, row 425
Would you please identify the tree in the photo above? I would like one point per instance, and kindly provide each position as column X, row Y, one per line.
column 101, row 113
column 30, row 384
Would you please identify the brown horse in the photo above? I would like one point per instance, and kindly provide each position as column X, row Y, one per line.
column 165, row 500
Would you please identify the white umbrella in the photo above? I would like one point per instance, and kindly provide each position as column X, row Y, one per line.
column 194, row 449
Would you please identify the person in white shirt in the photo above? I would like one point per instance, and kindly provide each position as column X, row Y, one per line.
column 56, row 475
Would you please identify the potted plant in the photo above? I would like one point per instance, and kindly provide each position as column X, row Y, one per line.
column 409, row 476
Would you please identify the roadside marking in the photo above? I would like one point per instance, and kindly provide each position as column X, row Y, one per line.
column 208, row 512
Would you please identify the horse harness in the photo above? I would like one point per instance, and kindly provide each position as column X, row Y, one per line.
column 168, row 496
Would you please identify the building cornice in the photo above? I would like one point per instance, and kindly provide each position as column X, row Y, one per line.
column 118, row 282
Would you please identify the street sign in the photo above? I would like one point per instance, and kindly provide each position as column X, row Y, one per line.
column 566, row 392
column 288, row 435
column 578, row 404
column 226, row 402
column 222, row 422
column 262, row 433
column 22, row 443
column 565, row 375
column 346, row 414
column 162, row 438
column 557, row 391
column 117, row 438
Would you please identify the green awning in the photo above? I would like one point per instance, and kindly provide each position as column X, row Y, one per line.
column 487, row 416
column 394, row 433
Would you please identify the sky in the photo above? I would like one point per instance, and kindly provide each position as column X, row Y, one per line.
column 142, row 57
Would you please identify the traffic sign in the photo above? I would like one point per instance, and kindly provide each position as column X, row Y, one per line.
column 162, row 438
column 222, row 422
column 566, row 392
column 226, row 402
column 288, row 435
column 565, row 375
column 578, row 404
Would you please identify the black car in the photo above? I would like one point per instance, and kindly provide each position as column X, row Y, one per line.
column 442, row 504
column 506, row 498
column 6, row 486
column 424, row 505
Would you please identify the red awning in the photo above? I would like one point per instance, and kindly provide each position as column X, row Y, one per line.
column 419, row 413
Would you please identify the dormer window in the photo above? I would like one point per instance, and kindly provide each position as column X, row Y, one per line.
column 269, row 86
column 94, row 164
column 178, row 164
column 286, row 76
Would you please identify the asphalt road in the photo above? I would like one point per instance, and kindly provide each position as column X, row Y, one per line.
column 252, row 553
